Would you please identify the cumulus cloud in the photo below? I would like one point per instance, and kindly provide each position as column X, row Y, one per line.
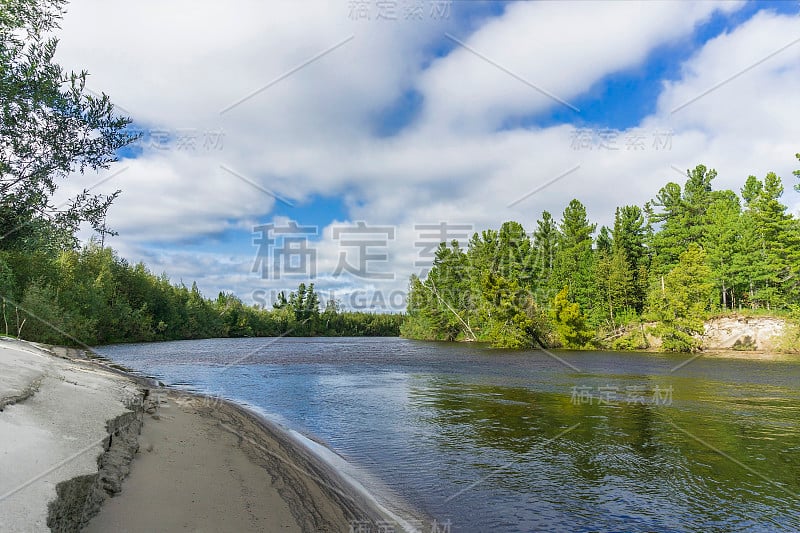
column 541, row 54
column 182, row 65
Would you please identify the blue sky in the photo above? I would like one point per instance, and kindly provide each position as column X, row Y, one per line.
column 411, row 121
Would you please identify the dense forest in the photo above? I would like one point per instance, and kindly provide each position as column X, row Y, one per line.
column 690, row 252
column 55, row 291
column 90, row 296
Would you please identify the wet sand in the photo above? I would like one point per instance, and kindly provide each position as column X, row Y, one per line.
column 191, row 475
column 209, row 465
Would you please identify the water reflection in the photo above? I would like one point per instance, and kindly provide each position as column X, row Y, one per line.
column 467, row 434
column 717, row 459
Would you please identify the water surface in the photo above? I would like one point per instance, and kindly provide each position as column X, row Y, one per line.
column 491, row 440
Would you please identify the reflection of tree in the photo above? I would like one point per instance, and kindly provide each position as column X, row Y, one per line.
column 630, row 447
column 509, row 419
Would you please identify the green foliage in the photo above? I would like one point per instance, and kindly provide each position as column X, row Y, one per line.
column 92, row 297
column 681, row 215
column 691, row 251
column 509, row 317
column 770, row 242
column 574, row 262
column 629, row 238
column 631, row 340
column 681, row 303
column 439, row 308
column 570, row 322
column 50, row 126
column 545, row 246
column 42, row 317
column 722, row 234
column 615, row 283
column 487, row 293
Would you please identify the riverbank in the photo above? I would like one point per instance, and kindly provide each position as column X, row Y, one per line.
column 72, row 430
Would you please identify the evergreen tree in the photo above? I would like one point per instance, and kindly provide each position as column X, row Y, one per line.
column 682, row 217
column 545, row 244
column 773, row 251
column 721, row 242
column 629, row 237
column 681, row 303
column 605, row 241
column 570, row 322
column 615, row 283
column 574, row 260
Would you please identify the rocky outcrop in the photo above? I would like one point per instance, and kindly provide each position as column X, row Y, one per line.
column 743, row 333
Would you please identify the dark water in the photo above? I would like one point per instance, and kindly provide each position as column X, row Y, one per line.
column 517, row 441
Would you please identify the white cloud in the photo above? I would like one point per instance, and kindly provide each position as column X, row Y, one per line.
column 549, row 53
column 177, row 65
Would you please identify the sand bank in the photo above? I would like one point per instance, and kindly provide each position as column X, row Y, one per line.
column 83, row 446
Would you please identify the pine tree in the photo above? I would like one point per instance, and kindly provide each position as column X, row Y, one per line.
column 570, row 322
column 681, row 305
column 773, row 241
column 681, row 215
column 604, row 242
column 615, row 283
column 543, row 250
column 574, row 260
column 721, row 242
column 629, row 237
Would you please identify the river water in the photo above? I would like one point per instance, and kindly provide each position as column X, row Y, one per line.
column 490, row 440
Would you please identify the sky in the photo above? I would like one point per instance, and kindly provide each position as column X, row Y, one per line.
column 338, row 142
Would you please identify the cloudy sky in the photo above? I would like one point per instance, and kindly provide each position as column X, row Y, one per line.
column 284, row 141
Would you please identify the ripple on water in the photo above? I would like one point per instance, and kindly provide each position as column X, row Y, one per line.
column 431, row 420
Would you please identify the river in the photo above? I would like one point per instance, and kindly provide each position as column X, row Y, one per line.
column 491, row 440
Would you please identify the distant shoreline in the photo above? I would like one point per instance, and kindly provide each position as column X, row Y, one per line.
column 732, row 353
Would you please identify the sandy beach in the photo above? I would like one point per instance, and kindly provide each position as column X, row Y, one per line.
column 85, row 447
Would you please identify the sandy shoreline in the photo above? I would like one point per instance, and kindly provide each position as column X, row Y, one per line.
column 164, row 460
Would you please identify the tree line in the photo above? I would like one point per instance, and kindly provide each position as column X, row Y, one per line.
column 690, row 252
column 90, row 296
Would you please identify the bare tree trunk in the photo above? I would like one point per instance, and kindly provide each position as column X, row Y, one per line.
column 19, row 324
column 724, row 296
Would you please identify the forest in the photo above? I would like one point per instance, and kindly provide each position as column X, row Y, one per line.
column 689, row 253
column 89, row 296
